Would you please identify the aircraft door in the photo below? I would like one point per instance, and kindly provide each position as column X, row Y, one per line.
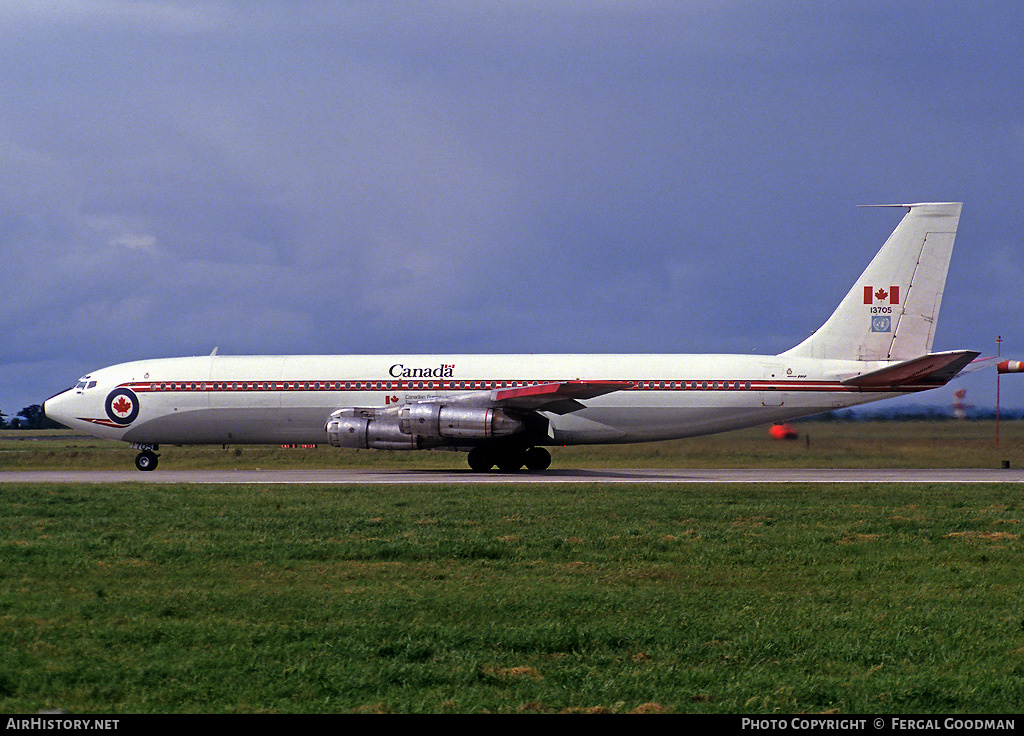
column 771, row 396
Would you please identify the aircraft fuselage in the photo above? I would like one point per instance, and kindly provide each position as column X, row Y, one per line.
column 287, row 399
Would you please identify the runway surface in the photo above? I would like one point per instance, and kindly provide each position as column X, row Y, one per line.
column 408, row 477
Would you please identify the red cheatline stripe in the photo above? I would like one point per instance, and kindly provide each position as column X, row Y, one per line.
column 335, row 386
column 104, row 422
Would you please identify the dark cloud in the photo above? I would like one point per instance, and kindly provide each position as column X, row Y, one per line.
column 481, row 177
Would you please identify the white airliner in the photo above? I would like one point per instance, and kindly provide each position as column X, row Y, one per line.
column 503, row 409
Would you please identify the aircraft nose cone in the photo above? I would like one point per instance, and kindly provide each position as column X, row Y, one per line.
column 55, row 407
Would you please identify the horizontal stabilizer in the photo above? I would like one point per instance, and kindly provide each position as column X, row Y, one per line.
column 933, row 369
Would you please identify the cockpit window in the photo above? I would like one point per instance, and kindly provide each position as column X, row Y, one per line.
column 84, row 383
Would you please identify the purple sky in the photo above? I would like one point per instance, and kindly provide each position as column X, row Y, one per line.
column 331, row 177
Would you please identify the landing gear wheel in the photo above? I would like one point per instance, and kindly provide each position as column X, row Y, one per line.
column 511, row 460
column 146, row 460
column 537, row 458
column 480, row 460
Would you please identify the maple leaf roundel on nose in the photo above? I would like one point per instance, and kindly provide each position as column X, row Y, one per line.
column 122, row 406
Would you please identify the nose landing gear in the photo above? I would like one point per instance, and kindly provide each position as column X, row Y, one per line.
column 146, row 460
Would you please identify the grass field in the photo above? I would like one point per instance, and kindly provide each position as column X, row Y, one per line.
column 649, row 598
column 946, row 444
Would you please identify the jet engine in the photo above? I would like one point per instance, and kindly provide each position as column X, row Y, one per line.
column 416, row 426
column 363, row 430
column 463, row 422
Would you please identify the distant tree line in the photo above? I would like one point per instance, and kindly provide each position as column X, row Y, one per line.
column 31, row 417
column 912, row 414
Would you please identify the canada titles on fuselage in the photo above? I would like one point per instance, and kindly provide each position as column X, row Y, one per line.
column 398, row 370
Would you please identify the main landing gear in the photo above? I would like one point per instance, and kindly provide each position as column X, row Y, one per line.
column 509, row 459
column 146, row 460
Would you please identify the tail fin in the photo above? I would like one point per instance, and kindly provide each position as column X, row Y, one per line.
column 891, row 312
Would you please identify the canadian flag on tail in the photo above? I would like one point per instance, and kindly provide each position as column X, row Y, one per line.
column 872, row 295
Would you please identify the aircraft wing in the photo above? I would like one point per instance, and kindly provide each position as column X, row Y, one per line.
column 560, row 397
column 933, row 369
